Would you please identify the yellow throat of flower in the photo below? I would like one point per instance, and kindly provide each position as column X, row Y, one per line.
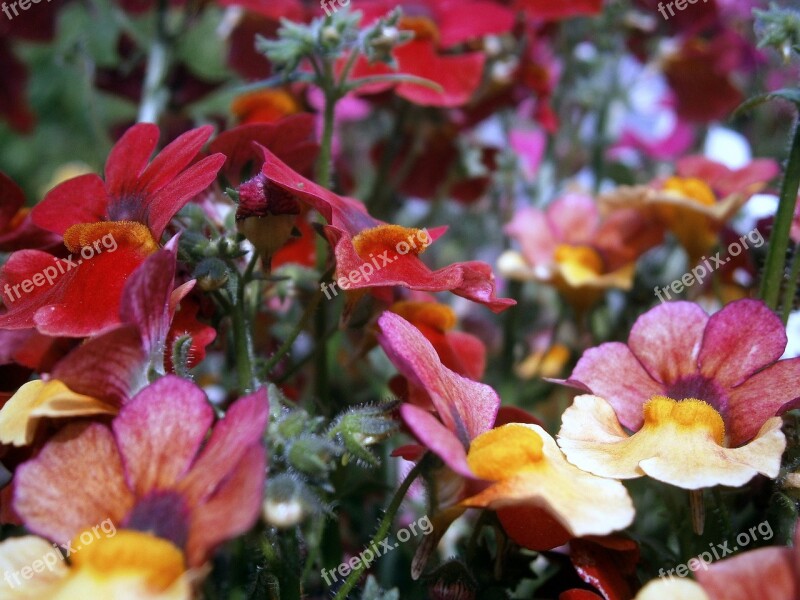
column 107, row 235
column 692, row 188
column 395, row 239
column 505, row 451
column 685, row 414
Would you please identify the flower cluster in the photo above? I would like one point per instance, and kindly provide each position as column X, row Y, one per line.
column 280, row 282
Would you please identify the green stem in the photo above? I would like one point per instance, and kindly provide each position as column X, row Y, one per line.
column 155, row 94
column 383, row 528
column 779, row 240
column 790, row 291
column 301, row 325
column 242, row 342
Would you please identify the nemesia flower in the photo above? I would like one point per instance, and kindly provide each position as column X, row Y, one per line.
column 153, row 475
column 130, row 209
column 772, row 572
column 130, row 565
column 687, row 204
column 264, row 106
column 362, row 242
column 699, row 393
column 570, row 247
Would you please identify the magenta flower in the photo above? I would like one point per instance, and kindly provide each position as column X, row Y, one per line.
column 729, row 360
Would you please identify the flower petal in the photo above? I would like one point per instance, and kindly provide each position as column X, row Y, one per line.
column 466, row 407
column 160, row 431
column 128, row 159
column 75, row 482
column 667, row 339
column 612, row 371
column 742, row 338
column 766, row 394
column 18, row 553
column 58, row 211
column 763, row 573
column 583, row 503
column 437, row 438
column 676, row 445
column 674, row 589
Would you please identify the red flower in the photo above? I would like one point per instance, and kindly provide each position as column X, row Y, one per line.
column 127, row 213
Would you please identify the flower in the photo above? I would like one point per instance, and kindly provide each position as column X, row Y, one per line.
column 700, row 393
column 568, row 246
column 687, row 202
column 148, row 472
column 389, row 252
column 126, row 565
column 17, row 231
column 131, row 209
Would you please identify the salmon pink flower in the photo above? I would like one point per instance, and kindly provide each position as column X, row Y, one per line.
column 131, row 209
column 152, row 471
column 569, row 246
column 701, row 395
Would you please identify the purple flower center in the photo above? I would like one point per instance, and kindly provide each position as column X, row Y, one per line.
column 701, row 388
column 163, row 514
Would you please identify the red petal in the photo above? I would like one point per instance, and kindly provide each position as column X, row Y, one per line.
column 128, row 159
column 59, row 210
column 174, row 158
column 458, row 75
column 560, row 9
column 464, row 21
column 763, row 573
column 608, row 571
column 532, row 527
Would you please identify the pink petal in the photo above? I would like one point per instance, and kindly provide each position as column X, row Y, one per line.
column 174, row 158
column 236, row 435
column 466, row 407
column 232, row 509
column 742, row 338
column 762, row 573
column 160, row 431
column 666, row 340
column 107, row 367
column 766, row 394
column 174, row 196
column 128, row 159
column 612, row 372
column 757, row 173
column 463, row 21
column 59, row 209
column 75, row 482
column 437, row 438
column 531, row 228
column 574, row 218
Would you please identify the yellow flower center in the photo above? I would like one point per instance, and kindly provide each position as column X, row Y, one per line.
column 154, row 561
column 694, row 189
column 581, row 262
column 685, row 414
column 503, row 452
column 437, row 316
column 107, row 235
column 396, row 239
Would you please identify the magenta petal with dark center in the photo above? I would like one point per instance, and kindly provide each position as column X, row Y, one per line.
column 667, row 339
column 739, row 340
column 466, row 407
column 612, row 372
column 771, row 392
column 160, row 431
